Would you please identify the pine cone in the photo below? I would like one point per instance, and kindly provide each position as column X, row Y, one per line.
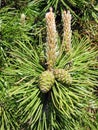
column 46, row 81
column 63, row 76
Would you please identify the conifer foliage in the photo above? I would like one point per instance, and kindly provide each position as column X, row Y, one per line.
column 55, row 94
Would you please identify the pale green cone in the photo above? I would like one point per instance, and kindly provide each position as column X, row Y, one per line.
column 46, row 81
column 63, row 76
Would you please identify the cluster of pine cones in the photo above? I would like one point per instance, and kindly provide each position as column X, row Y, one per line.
column 47, row 79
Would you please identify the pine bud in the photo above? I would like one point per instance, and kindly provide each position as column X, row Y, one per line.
column 66, row 44
column 51, row 39
column 22, row 19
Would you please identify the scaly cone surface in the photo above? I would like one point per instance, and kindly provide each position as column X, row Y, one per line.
column 63, row 76
column 46, row 81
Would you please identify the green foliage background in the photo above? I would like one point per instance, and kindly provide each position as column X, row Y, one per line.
column 22, row 62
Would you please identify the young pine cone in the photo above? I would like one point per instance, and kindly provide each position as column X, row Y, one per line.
column 63, row 76
column 46, row 81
